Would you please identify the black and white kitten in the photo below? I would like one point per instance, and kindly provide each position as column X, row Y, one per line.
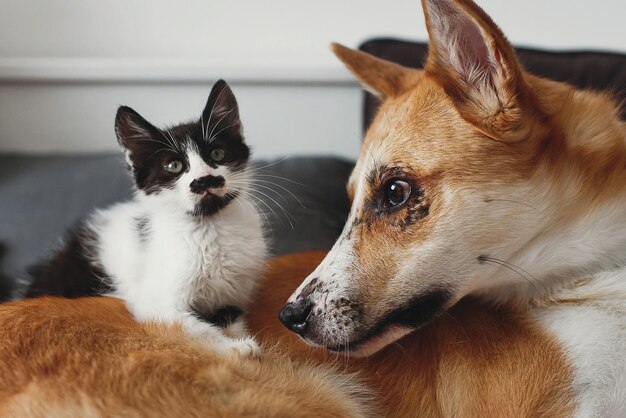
column 189, row 245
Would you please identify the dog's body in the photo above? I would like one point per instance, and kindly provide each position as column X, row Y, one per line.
column 478, row 179
column 88, row 358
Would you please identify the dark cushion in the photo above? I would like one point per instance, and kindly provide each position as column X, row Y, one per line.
column 584, row 69
column 304, row 201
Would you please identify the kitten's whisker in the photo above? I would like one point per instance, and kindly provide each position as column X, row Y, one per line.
column 169, row 142
column 208, row 122
column 272, row 190
column 254, row 181
column 277, row 204
column 254, row 169
column 281, row 178
column 202, row 126
column 257, row 209
column 213, row 137
column 238, row 201
column 143, row 138
column 159, row 150
column 234, row 182
column 220, row 121
column 259, row 200
column 176, row 143
column 266, row 204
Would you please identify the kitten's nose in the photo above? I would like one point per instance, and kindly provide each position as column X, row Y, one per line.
column 202, row 184
column 295, row 315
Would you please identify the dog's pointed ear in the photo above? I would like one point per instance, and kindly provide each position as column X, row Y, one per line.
column 477, row 67
column 379, row 77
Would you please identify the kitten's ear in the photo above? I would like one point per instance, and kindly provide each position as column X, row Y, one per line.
column 136, row 135
column 221, row 113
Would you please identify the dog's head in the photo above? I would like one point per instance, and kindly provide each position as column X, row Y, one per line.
column 451, row 181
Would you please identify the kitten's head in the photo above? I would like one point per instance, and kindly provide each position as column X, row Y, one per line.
column 197, row 166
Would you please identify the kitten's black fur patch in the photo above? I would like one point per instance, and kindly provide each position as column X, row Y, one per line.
column 223, row 316
column 211, row 204
column 70, row 272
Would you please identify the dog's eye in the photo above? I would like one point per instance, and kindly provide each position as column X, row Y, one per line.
column 218, row 154
column 396, row 192
column 174, row 167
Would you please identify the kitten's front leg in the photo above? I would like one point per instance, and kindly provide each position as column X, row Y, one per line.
column 237, row 328
column 209, row 334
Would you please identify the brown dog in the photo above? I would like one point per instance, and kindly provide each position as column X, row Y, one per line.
column 479, row 180
column 474, row 361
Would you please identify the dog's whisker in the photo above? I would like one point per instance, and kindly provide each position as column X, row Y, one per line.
column 526, row 275
column 489, row 200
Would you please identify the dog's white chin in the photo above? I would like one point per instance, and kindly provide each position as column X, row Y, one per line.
column 380, row 341
column 372, row 345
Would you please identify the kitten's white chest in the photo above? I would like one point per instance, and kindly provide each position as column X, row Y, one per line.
column 178, row 262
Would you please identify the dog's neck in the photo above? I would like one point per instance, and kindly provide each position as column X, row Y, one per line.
column 580, row 225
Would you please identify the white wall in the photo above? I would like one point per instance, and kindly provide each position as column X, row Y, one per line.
column 66, row 64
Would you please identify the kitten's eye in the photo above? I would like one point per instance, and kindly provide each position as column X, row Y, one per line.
column 174, row 167
column 396, row 192
column 218, row 154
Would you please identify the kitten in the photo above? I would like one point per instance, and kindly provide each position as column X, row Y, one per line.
column 189, row 245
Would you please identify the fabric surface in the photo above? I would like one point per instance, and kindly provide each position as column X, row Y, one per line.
column 583, row 69
column 42, row 196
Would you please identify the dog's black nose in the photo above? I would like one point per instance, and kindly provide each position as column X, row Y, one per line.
column 295, row 315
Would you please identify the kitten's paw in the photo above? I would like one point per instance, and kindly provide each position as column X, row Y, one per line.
column 237, row 329
column 245, row 347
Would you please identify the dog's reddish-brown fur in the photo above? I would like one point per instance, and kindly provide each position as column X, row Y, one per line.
column 87, row 357
column 475, row 361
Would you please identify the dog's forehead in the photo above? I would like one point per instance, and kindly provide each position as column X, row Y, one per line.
column 419, row 129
